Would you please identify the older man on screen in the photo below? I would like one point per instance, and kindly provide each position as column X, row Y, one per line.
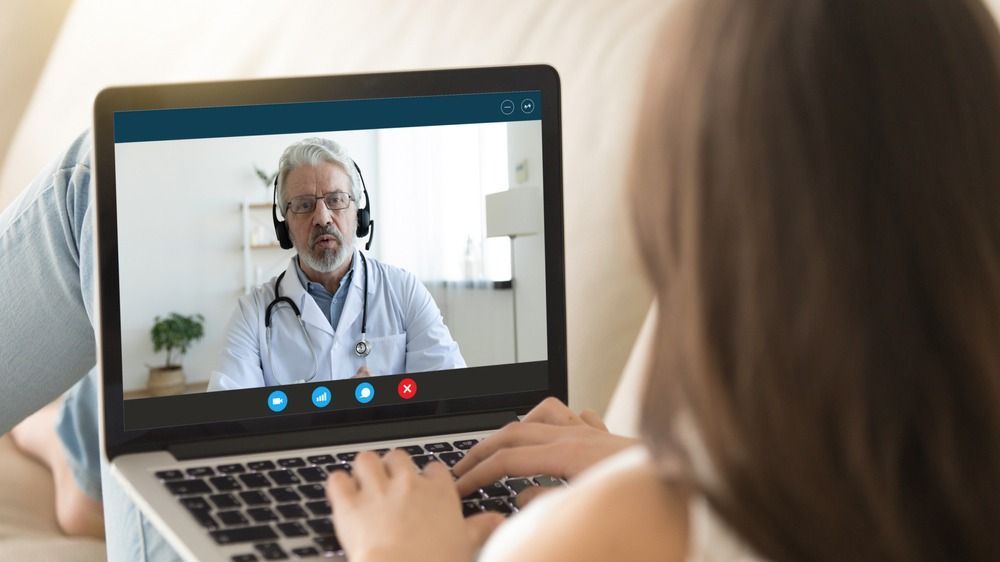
column 334, row 313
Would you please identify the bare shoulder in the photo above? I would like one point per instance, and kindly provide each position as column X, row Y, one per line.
column 625, row 514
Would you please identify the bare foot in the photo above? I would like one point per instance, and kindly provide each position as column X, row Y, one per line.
column 77, row 513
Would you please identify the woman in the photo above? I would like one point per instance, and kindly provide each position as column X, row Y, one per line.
column 817, row 200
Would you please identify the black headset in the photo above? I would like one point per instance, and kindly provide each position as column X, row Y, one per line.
column 366, row 226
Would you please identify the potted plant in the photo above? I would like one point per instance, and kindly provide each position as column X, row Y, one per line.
column 173, row 334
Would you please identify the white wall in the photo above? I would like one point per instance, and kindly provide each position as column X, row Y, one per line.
column 524, row 149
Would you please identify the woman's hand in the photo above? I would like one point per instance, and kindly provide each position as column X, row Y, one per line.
column 389, row 511
column 550, row 439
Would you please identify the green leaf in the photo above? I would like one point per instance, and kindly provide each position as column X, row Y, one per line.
column 176, row 333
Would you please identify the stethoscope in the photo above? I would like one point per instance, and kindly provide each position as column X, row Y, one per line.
column 361, row 349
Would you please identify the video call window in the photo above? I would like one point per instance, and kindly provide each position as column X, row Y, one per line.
column 455, row 271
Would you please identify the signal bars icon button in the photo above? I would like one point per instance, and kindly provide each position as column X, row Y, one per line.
column 321, row 397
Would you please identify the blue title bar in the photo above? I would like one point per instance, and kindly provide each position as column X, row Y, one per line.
column 339, row 115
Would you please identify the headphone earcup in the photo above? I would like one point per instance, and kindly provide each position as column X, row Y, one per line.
column 280, row 227
column 281, row 233
column 364, row 222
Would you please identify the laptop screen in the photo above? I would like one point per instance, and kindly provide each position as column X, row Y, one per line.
column 282, row 259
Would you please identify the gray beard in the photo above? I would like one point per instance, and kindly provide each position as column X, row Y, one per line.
column 328, row 260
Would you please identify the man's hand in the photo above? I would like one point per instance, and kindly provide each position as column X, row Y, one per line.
column 389, row 511
column 362, row 373
column 550, row 439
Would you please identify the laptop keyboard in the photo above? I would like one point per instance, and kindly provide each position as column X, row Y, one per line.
column 262, row 502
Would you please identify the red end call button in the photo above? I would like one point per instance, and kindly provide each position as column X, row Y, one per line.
column 407, row 389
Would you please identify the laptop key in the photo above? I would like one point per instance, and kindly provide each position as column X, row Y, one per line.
column 284, row 495
column 321, row 459
column 271, row 551
column 169, row 475
column 195, row 502
column 244, row 534
column 292, row 511
column 261, row 465
column 495, row 490
column 291, row 463
column 319, row 507
column 305, row 551
column 413, row 449
column 204, row 518
column 262, row 514
column 231, row 468
column 548, row 481
column 329, row 543
column 200, row 471
column 518, row 485
column 253, row 498
column 498, row 505
column 292, row 529
column 188, row 487
column 224, row 501
column 380, row 452
column 452, row 458
column 423, row 460
column 244, row 558
column 312, row 474
column 283, row 477
column 321, row 526
column 438, row 447
column 339, row 466
column 347, row 457
column 312, row 491
column 466, row 443
column 225, row 483
column 470, row 508
column 232, row 517
column 254, row 480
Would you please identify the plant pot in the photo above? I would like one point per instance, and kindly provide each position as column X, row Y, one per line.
column 165, row 381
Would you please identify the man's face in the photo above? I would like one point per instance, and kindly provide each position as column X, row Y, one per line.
column 323, row 238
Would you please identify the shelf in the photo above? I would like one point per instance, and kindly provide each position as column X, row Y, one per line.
column 274, row 246
column 260, row 205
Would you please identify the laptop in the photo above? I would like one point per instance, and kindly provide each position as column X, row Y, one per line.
column 223, row 415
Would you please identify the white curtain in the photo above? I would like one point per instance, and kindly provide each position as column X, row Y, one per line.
column 431, row 217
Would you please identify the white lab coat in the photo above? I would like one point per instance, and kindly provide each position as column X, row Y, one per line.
column 405, row 331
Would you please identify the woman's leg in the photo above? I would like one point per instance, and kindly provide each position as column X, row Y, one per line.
column 46, row 287
column 46, row 284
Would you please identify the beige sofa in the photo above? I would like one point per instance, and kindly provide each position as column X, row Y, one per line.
column 599, row 47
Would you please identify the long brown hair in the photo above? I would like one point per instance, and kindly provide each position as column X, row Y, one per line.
column 817, row 199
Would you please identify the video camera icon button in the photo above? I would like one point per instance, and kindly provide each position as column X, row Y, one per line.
column 321, row 397
column 277, row 401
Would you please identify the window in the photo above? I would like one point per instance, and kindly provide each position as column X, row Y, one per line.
column 428, row 180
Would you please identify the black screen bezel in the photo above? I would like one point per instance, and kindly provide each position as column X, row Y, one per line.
column 543, row 78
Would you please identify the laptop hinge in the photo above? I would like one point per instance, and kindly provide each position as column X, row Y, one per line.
column 344, row 435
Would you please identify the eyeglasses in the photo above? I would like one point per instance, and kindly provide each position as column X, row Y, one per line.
column 334, row 201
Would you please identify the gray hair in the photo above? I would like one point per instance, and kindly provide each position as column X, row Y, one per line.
column 312, row 151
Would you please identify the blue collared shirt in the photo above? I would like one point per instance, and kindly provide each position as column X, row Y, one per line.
column 332, row 304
